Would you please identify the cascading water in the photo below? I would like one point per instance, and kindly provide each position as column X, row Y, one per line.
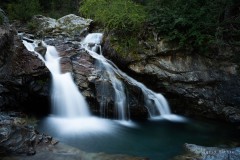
column 70, row 111
column 92, row 43
column 66, row 100
column 154, row 102
column 69, row 106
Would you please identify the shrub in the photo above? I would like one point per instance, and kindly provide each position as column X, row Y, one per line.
column 122, row 16
column 23, row 9
column 59, row 8
column 194, row 23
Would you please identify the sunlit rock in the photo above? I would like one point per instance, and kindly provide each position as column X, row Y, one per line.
column 69, row 25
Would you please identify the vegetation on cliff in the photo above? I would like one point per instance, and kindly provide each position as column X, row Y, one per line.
column 121, row 16
column 24, row 9
column 195, row 25
column 124, row 18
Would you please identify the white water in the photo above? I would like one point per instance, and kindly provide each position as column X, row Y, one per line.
column 66, row 99
column 69, row 107
column 155, row 102
column 92, row 43
column 70, row 111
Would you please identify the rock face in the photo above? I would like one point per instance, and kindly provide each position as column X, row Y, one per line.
column 18, row 135
column 23, row 77
column 196, row 85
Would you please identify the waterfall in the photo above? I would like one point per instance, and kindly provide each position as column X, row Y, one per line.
column 66, row 99
column 92, row 44
column 155, row 103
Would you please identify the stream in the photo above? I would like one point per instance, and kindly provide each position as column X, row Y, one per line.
column 155, row 139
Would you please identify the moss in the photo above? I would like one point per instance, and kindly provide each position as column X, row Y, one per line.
column 32, row 25
column 30, row 120
column 127, row 46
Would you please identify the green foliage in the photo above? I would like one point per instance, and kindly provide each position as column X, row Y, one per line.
column 127, row 46
column 23, row 9
column 59, row 8
column 194, row 24
column 32, row 25
column 122, row 16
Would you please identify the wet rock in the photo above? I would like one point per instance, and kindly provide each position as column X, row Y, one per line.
column 209, row 153
column 42, row 50
column 15, row 137
column 66, row 65
column 23, row 76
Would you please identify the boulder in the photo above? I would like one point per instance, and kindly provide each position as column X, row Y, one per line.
column 69, row 25
column 15, row 136
column 209, row 153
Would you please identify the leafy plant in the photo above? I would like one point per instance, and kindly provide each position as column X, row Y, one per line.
column 59, row 8
column 23, row 9
column 194, row 24
column 32, row 25
column 122, row 16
